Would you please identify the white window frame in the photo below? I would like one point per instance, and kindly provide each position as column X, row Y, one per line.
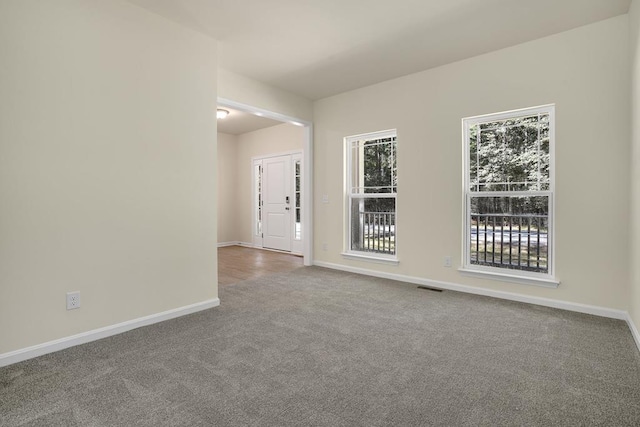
column 349, row 195
column 498, row 273
column 297, row 242
column 256, row 203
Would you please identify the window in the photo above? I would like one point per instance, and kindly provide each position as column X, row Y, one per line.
column 509, row 187
column 371, row 186
column 257, row 198
column 297, row 200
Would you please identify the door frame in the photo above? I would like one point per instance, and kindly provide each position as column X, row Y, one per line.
column 307, row 167
column 297, row 246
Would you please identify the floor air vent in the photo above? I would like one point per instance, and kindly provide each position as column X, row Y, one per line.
column 426, row 288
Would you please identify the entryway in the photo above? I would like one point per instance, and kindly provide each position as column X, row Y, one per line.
column 238, row 263
column 272, row 226
column 277, row 202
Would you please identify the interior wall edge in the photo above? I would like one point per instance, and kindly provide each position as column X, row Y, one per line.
column 97, row 334
column 634, row 331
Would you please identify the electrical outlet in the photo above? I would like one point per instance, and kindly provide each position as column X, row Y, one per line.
column 447, row 261
column 325, row 246
column 325, row 198
column 73, row 300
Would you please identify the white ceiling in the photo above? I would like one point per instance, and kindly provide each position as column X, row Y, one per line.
column 239, row 122
column 319, row 48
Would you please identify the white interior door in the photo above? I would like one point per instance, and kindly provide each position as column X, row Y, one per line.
column 277, row 203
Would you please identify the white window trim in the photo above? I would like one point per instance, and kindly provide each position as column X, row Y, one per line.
column 255, row 236
column 497, row 273
column 378, row 258
column 297, row 158
column 359, row 255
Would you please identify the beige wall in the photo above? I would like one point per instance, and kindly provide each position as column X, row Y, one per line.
column 107, row 167
column 634, row 16
column 584, row 72
column 274, row 140
column 227, row 188
column 238, row 88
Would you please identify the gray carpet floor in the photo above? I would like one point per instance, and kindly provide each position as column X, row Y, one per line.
column 316, row 347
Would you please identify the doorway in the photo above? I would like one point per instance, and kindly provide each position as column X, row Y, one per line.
column 302, row 243
column 277, row 202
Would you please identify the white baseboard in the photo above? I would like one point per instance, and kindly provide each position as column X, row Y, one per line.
column 634, row 330
column 251, row 245
column 107, row 331
column 238, row 243
column 547, row 302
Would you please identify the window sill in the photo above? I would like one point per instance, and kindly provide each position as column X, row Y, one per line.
column 546, row 282
column 370, row 258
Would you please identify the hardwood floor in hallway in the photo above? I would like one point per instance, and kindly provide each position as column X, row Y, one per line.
column 237, row 263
